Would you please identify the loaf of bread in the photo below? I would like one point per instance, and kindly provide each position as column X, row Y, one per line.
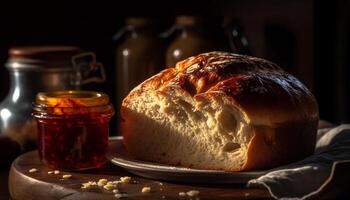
column 220, row 111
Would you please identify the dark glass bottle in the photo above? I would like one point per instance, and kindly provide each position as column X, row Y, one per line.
column 139, row 54
column 195, row 35
column 236, row 38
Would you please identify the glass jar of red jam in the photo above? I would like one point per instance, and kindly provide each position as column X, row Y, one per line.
column 73, row 128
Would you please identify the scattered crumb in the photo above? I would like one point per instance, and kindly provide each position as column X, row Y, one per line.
column 163, row 197
column 246, row 194
column 56, row 172
column 160, row 183
column 86, row 185
column 109, row 186
column 102, row 182
column 116, row 182
column 146, row 190
column 67, row 176
column 115, row 191
column 192, row 193
column 125, row 179
column 182, row 194
column 92, row 182
column 33, row 170
column 50, row 172
column 118, row 195
column 109, row 183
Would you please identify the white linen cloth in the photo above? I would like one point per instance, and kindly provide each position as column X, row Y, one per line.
column 308, row 177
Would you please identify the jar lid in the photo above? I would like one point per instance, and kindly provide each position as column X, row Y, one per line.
column 42, row 56
column 72, row 98
column 72, row 102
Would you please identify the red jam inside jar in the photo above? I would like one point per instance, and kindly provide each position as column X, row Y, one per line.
column 73, row 128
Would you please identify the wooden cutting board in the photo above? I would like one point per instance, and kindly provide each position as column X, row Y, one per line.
column 40, row 185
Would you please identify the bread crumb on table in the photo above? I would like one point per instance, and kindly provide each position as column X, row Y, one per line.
column 125, row 179
column 67, row 176
column 182, row 194
column 115, row 191
column 109, row 186
column 50, row 172
column 33, row 170
column 146, row 190
column 192, row 193
column 102, row 182
column 86, row 185
column 56, row 172
column 92, row 182
column 119, row 196
column 110, row 183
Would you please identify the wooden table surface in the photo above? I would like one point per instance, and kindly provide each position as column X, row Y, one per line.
column 41, row 185
column 23, row 185
column 4, row 192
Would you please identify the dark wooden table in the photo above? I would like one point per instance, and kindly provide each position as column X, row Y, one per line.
column 22, row 184
column 41, row 185
column 4, row 192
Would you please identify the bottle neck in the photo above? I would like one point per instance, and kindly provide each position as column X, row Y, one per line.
column 143, row 31
column 200, row 30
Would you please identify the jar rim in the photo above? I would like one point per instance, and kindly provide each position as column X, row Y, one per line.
column 72, row 98
column 71, row 103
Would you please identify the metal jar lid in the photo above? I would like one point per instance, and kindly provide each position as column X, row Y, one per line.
column 42, row 57
column 82, row 64
column 71, row 102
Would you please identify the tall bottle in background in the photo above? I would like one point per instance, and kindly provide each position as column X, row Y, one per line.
column 139, row 54
column 237, row 40
column 195, row 35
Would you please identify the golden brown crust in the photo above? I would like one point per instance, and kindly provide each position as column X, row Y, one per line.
column 258, row 86
column 285, row 143
column 282, row 112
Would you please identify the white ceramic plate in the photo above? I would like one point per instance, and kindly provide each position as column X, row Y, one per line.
column 118, row 156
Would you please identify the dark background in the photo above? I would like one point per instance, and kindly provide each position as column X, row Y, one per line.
column 310, row 39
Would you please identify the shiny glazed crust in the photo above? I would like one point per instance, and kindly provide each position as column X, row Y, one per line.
column 281, row 112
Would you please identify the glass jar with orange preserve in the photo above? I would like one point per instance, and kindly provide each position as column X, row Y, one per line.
column 73, row 128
